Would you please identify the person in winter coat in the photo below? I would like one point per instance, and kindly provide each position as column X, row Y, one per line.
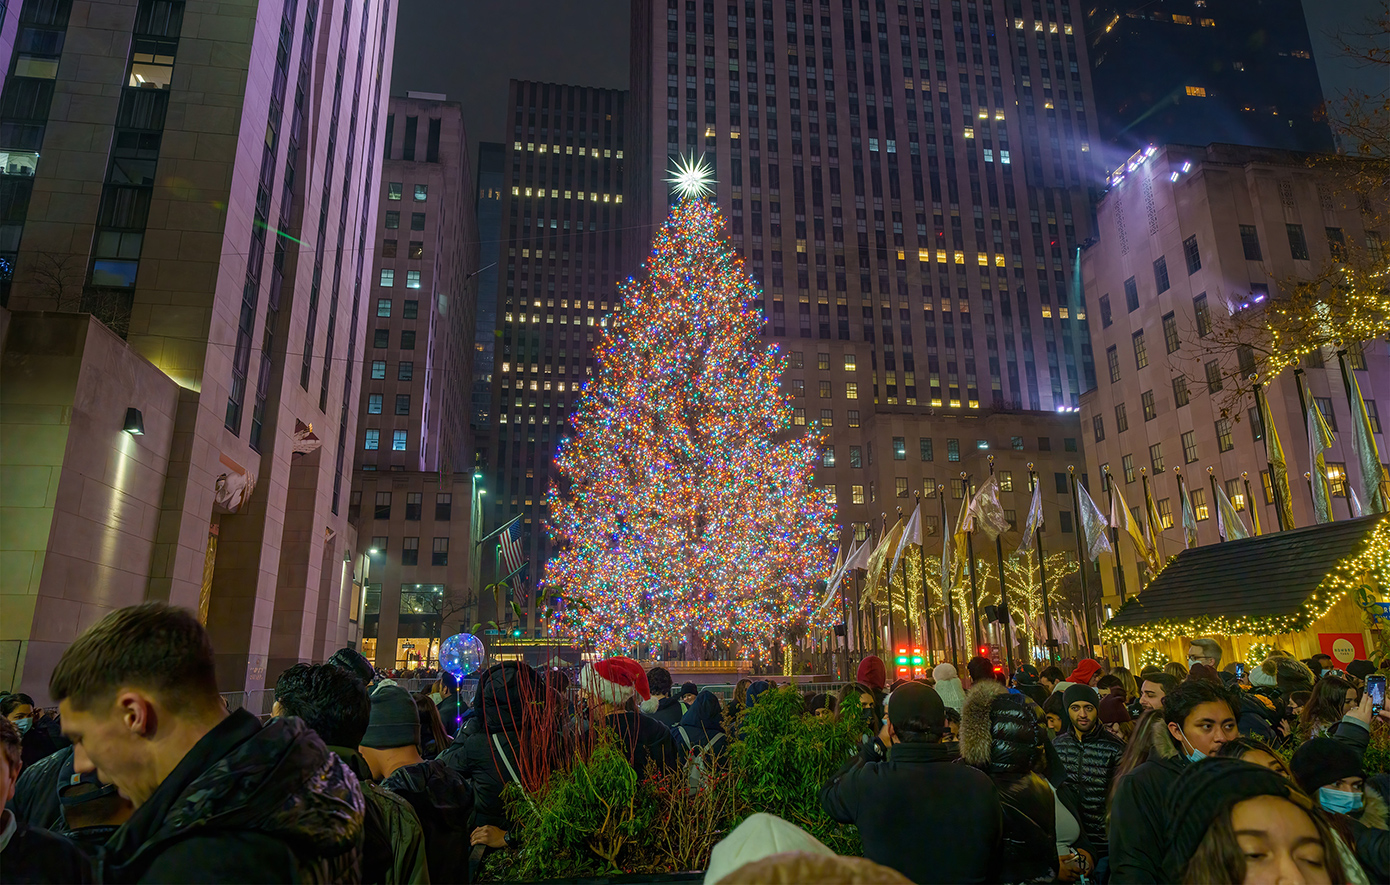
column 948, row 686
column 18, row 708
column 442, row 800
column 1331, row 773
column 612, row 689
column 333, row 702
column 217, row 795
column 27, row 853
column 896, row 803
column 702, row 726
column 1090, row 755
column 999, row 736
column 1087, row 672
column 873, row 673
column 1026, row 681
column 661, row 706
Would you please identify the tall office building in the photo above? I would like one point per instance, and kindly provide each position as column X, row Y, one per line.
column 1203, row 71
column 488, row 206
column 413, row 481
column 908, row 182
column 562, row 235
column 199, row 177
column 1190, row 235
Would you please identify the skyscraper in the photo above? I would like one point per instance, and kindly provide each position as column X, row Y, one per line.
column 199, row 177
column 412, row 488
column 561, row 243
column 908, row 181
column 1203, row 71
column 488, row 202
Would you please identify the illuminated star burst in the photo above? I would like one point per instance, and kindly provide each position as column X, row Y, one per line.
column 693, row 177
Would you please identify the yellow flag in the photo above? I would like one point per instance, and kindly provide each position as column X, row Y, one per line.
column 878, row 561
column 1279, row 468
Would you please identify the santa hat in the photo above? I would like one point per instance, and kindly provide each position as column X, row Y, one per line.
column 615, row 680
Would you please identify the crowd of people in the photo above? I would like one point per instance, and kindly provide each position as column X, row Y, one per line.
column 1194, row 772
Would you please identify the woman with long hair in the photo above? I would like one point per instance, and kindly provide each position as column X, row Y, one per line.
column 1130, row 684
column 1148, row 740
column 1332, row 698
column 1176, row 670
column 740, row 701
column 433, row 739
column 1256, row 752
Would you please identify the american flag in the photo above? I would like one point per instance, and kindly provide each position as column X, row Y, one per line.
column 512, row 555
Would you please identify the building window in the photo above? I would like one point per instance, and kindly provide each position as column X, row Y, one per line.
column 1044, row 444
column 1121, row 418
column 1006, row 480
column 413, row 501
column 1374, row 415
column 417, row 221
column 402, row 404
column 856, row 494
column 371, row 441
column 1250, row 242
column 393, row 220
column 411, row 309
column 1170, row 333
column 851, row 390
column 398, row 439
column 378, row 370
column 407, row 339
column 799, row 416
column 1141, row 350
column 417, row 250
column 952, row 450
column 381, row 338
column 1325, row 406
column 1336, row 243
column 388, row 248
column 827, row 457
column 832, row 496
column 1257, row 431
column 412, row 279
column 1213, row 369
column 825, row 390
column 405, row 371
column 373, row 404
column 410, row 551
column 1337, row 478
column 1298, row 245
column 1112, row 357
column 1146, row 399
column 1105, row 318
column 827, row 417
column 1194, row 91
column 1267, row 481
column 1189, row 446
column 899, row 448
column 1180, row 396
column 444, row 506
column 1064, row 521
column 1165, row 513
column 823, row 362
column 1202, row 314
column 797, row 360
column 1059, row 481
column 852, row 417
column 439, row 555
column 1098, row 425
column 1131, row 295
column 383, row 307
column 1156, row 457
column 900, row 487
column 1068, row 443
column 1191, row 253
column 1235, row 491
column 1161, row 274
column 1127, row 464
column 421, row 191
column 925, row 447
column 798, row 387
column 388, row 278
column 1223, row 435
column 1198, row 496
column 856, row 457
column 393, row 190
column 383, row 506
column 958, row 489
column 849, row 362
column 1016, row 442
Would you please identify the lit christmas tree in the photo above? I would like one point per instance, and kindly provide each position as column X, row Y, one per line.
column 686, row 508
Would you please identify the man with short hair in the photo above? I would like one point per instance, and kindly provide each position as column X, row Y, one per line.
column 1204, row 651
column 1049, row 677
column 1090, row 755
column 32, row 854
column 980, row 668
column 895, row 802
column 332, row 701
column 661, row 706
column 1320, row 663
column 217, row 795
column 1154, row 688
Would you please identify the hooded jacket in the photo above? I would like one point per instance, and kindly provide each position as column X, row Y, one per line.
column 702, row 726
column 443, row 802
column 248, row 803
column 647, row 741
column 35, row 799
column 999, row 736
column 668, row 711
column 1090, row 764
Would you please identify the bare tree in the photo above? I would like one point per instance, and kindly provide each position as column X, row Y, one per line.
column 58, row 279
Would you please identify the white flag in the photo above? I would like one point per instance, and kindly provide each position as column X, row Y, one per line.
column 1092, row 525
column 986, row 512
column 859, row 558
column 1228, row 521
column 1035, row 516
column 911, row 535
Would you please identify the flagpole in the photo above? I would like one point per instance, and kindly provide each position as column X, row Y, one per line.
column 1083, row 561
column 970, row 554
column 844, row 613
column 1182, row 504
column 1114, row 533
column 1151, row 512
column 1007, row 622
column 926, row 595
column 892, row 633
column 1262, row 409
column 1250, row 501
column 945, row 579
column 1042, row 573
column 1302, row 405
column 1220, row 536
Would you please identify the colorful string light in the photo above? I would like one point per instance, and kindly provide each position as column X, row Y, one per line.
column 686, row 507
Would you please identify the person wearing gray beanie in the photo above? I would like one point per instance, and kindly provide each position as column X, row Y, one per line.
column 395, row 720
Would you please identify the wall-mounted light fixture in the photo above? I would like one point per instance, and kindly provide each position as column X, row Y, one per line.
column 134, row 422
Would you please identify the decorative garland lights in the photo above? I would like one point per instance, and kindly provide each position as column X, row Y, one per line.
column 1152, row 657
column 1370, row 566
column 686, row 508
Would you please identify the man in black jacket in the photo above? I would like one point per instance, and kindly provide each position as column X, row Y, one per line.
column 928, row 819
column 661, row 706
column 29, row 853
column 218, row 796
column 1090, row 755
column 612, row 689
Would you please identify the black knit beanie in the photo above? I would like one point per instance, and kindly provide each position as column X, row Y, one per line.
column 1201, row 791
column 1322, row 761
column 1078, row 693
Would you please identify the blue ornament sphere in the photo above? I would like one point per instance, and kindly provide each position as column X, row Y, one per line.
column 461, row 654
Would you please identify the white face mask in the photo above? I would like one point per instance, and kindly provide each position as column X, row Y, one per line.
column 437, row 698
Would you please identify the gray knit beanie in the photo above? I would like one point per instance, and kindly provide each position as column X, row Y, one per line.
column 395, row 719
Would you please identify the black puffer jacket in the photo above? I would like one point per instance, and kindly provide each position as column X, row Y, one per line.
column 1090, row 765
column 249, row 803
column 443, row 801
column 1001, row 737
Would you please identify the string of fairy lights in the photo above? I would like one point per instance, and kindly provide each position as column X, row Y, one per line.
column 686, row 501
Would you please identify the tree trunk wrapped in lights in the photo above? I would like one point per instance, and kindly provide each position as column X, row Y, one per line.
column 686, row 506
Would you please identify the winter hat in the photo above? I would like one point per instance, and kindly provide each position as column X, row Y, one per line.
column 1026, row 675
column 1112, row 710
column 948, row 686
column 1202, row 671
column 395, row 719
column 760, row 836
column 754, row 690
column 1263, row 675
column 1322, row 761
column 1086, row 669
column 689, row 688
column 916, row 701
column 1199, row 794
column 944, row 671
column 1360, row 669
column 872, row 673
column 1076, row 694
column 807, row 868
column 615, row 680
column 352, row 660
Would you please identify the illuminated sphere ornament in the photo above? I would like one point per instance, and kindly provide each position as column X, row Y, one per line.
column 692, row 177
column 461, row 654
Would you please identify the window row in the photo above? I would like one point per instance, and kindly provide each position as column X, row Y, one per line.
column 372, row 440
column 405, row 370
column 394, row 189
column 388, row 278
column 414, row 503
column 409, row 310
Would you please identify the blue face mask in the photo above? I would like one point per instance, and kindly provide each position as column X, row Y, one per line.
column 1339, row 801
column 24, row 724
column 1196, row 755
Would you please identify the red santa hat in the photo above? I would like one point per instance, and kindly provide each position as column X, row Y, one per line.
column 615, row 680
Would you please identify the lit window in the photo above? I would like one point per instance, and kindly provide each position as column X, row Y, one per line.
column 851, row 390
column 393, row 190
column 1198, row 91
column 388, row 277
column 372, row 441
column 374, row 404
column 421, row 192
column 398, row 438
column 378, row 370
column 849, row 362
column 856, row 494
column 151, row 64
column 412, row 279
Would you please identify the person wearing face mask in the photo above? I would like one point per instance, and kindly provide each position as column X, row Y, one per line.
column 36, row 742
column 1331, row 773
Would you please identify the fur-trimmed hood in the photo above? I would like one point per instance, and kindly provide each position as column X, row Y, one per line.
column 975, row 735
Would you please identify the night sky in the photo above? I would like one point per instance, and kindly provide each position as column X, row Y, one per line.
column 469, row 49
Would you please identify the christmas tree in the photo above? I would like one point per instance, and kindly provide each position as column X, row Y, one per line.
column 686, row 508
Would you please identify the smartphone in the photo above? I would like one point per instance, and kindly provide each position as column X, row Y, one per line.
column 1240, row 672
column 1375, row 687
